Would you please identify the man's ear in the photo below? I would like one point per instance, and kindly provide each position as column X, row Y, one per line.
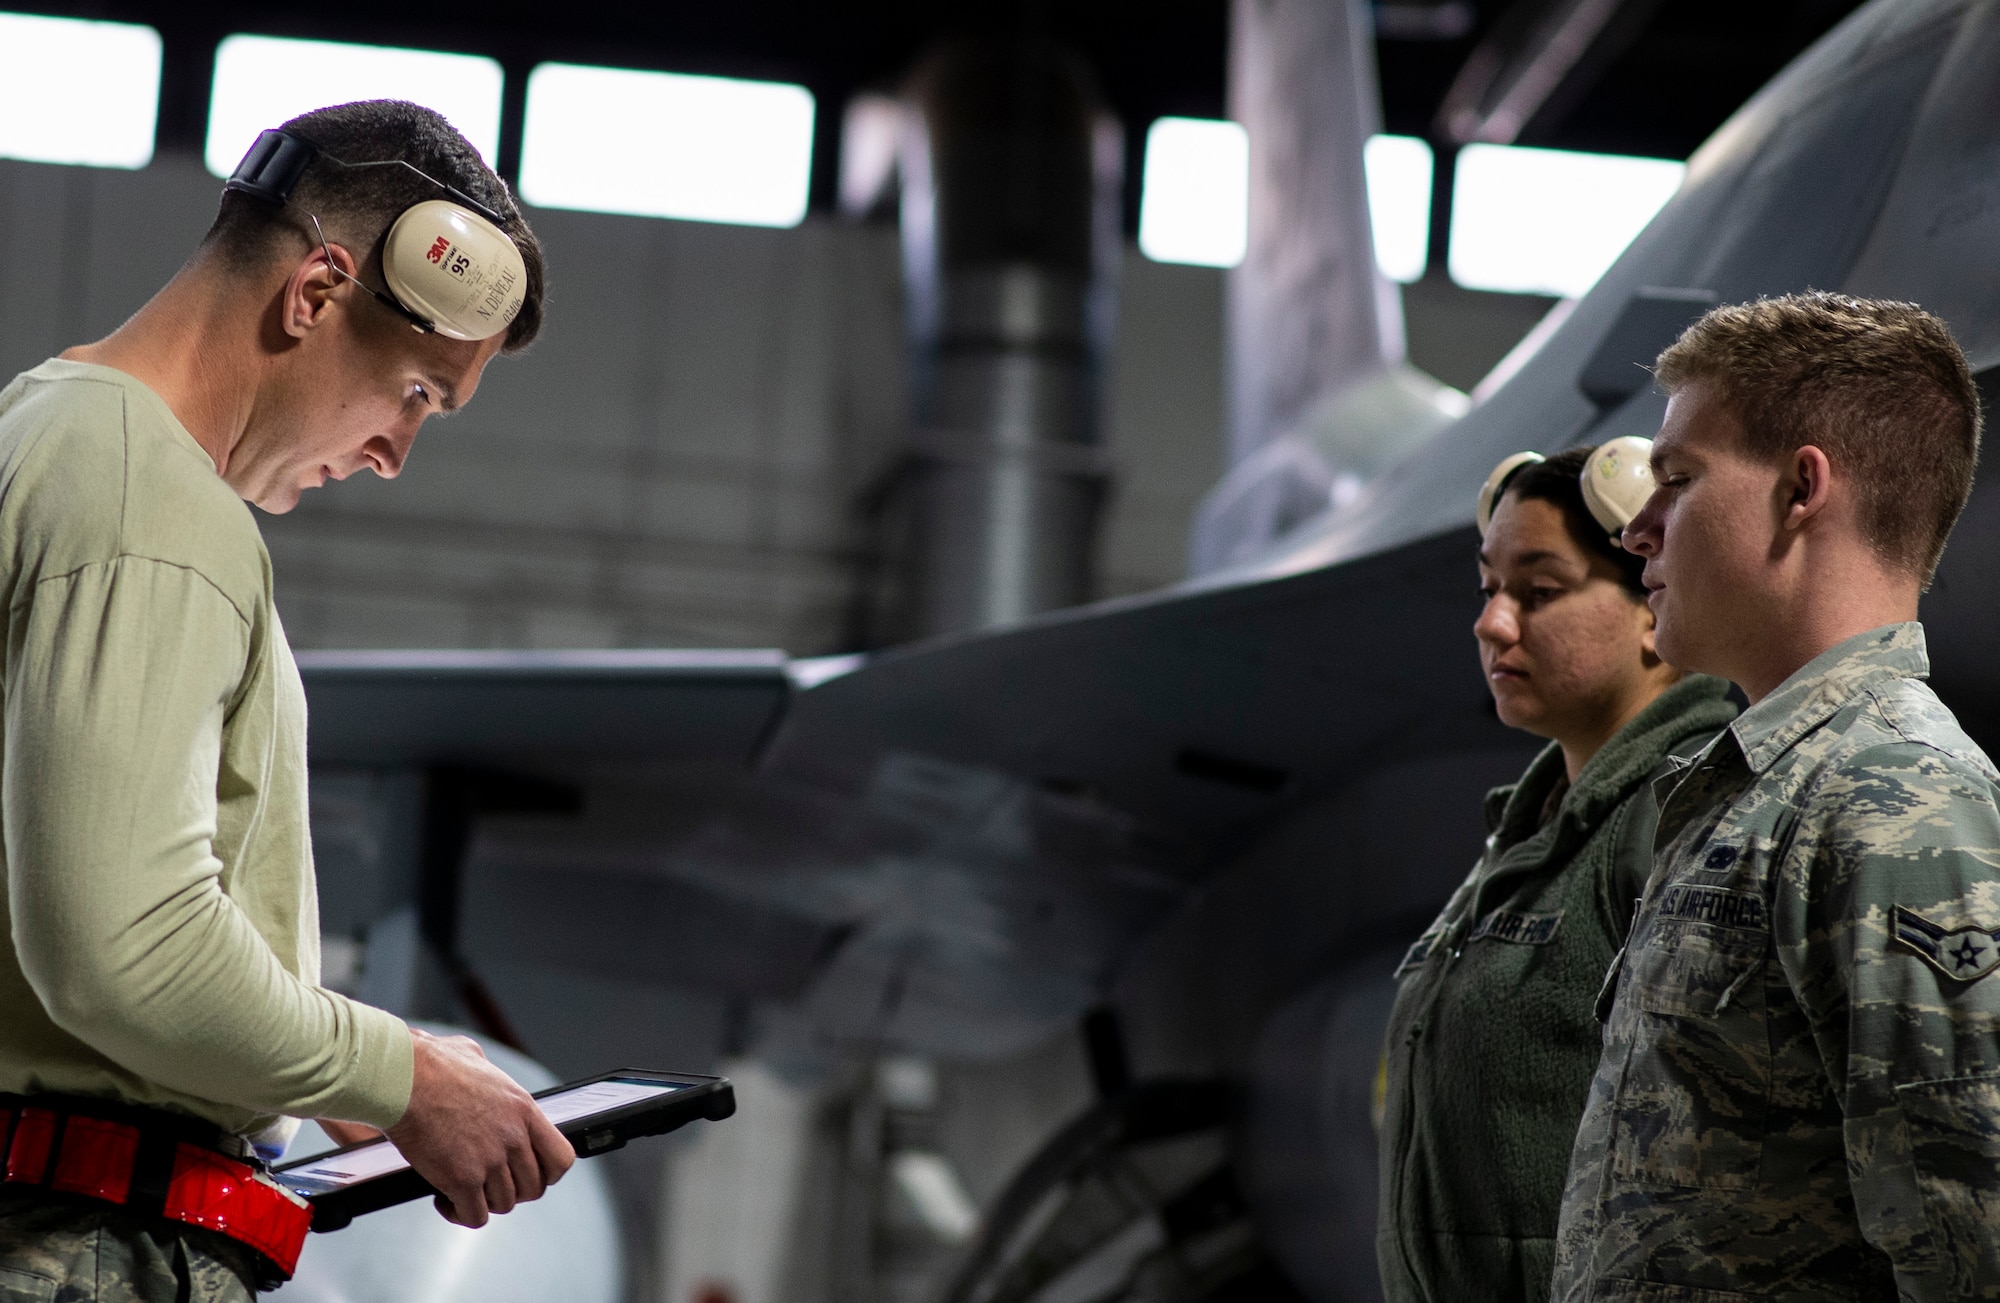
column 313, row 288
column 1806, row 486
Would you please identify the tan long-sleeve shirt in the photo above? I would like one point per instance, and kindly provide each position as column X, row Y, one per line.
column 160, row 909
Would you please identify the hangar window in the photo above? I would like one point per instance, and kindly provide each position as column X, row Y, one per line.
column 1399, row 204
column 261, row 81
column 78, row 92
column 661, row 144
column 1549, row 221
column 1194, row 207
column 1195, row 201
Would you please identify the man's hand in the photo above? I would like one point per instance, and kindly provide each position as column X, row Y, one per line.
column 474, row 1134
column 347, row 1133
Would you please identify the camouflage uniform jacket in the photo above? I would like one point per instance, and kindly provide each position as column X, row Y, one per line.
column 1799, row 1095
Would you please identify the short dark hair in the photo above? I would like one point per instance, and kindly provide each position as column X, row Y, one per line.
column 1559, row 482
column 364, row 202
column 1881, row 387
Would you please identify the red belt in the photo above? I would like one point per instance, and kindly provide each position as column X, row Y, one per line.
column 147, row 1162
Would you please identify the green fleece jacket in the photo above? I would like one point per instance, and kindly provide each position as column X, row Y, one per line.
column 1494, row 1035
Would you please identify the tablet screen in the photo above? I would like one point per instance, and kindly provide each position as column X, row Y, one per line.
column 337, row 1171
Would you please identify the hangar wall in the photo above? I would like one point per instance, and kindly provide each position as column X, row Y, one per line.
column 676, row 462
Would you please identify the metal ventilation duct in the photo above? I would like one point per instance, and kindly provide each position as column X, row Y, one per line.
column 1011, row 176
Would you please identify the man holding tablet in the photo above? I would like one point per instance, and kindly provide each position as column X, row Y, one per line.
column 161, row 1018
column 1800, row 1082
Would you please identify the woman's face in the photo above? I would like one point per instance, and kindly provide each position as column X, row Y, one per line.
column 1565, row 646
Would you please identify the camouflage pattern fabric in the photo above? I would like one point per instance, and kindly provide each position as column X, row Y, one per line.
column 1799, row 1094
column 63, row 1252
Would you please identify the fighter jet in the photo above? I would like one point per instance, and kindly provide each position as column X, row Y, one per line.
column 1216, row 811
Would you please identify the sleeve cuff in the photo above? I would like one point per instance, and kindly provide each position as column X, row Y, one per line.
column 377, row 1090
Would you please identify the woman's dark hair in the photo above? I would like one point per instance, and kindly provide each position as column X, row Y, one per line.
column 1559, row 481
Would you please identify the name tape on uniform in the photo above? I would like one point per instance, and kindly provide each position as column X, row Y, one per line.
column 1519, row 928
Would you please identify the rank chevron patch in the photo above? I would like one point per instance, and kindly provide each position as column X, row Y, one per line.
column 1964, row 954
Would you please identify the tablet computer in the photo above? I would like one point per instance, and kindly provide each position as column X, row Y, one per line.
column 597, row 1115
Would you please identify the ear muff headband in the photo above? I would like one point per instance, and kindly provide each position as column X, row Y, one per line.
column 449, row 265
column 1617, row 480
column 1496, row 484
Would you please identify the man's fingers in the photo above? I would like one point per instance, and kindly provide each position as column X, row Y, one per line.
column 475, row 1134
column 500, row 1188
column 468, row 1210
column 527, row 1174
column 553, row 1152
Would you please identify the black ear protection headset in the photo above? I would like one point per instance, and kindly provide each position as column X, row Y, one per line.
column 450, row 266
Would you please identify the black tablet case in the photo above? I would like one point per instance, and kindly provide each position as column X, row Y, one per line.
column 712, row 1098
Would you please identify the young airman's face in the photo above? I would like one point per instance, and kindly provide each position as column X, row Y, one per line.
column 1707, row 534
column 1562, row 640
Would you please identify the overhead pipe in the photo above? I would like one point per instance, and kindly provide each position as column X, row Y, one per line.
column 1011, row 175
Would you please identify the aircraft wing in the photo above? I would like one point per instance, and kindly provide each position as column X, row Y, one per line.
column 960, row 845
column 496, row 708
column 951, row 845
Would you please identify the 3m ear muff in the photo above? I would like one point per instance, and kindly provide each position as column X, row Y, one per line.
column 1617, row 480
column 1496, row 484
column 449, row 265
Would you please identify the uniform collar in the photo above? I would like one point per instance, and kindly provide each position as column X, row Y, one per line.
column 1696, row 706
column 1826, row 683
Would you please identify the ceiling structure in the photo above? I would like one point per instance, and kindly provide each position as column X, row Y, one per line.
column 1657, row 79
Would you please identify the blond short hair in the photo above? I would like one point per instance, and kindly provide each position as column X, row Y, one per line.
column 1881, row 387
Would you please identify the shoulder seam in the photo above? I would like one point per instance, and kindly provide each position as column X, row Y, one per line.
column 1814, row 791
column 74, row 571
column 125, row 476
column 69, row 380
column 1891, row 718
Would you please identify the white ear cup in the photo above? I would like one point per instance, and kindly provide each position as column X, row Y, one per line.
column 1496, row 484
column 1617, row 480
column 455, row 269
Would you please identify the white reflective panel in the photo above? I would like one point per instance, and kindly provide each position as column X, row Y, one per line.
column 1399, row 204
column 78, row 92
column 871, row 132
column 262, row 81
column 664, row 144
column 1548, row 221
column 1194, row 206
